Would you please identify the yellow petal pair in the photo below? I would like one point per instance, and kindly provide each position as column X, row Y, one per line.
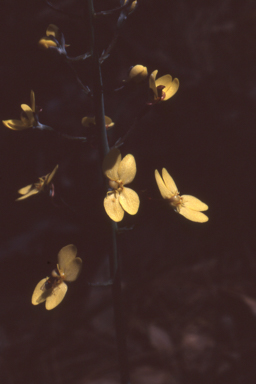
column 186, row 205
column 43, row 184
column 52, row 290
column 163, row 88
column 132, row 8
column 27, row 119
column 120, row 172
column 88, row 121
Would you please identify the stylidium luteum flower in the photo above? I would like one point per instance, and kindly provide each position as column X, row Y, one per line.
column 120, row 173
column 53, row 289
column 54, row 39
column 28, row 117
column 90, row 121
column 137, row 74
column 186, row 205
column 44, row 184
column 163, row 88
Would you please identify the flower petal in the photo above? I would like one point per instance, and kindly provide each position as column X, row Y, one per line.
column 192, row 202
column 33, row 101
column 29, row 113
column 172, row 89
column 25, row 190
column 138, row 73
column 16, row 125
column 56, row 297
column 33, row 191
column 52, row 30
column 51, row 175
column 113, row 207
column 46, row 42
column 87, row 121
column 66, row 255
column 108, row 122
column 111, row 164
column 127, row 169
column 169, row 182
column 152, row 82
column 166, row 194
column 73, row 270
column 192, row 215
column 129, row 200
column 38, row 295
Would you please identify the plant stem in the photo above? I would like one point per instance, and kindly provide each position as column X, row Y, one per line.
column 98, row 98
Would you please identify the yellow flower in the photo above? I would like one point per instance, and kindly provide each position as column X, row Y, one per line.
column 186, row 205
column 138, row 73
column 53, row 289
column 42, row 185
column 87, row 121
column 27, row 119
column 120, row 173
column 163, row 88
column 52, row 35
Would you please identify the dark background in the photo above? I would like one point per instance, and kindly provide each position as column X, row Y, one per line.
column 189, row 289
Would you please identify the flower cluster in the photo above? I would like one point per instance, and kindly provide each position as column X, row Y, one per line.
column 53, row 289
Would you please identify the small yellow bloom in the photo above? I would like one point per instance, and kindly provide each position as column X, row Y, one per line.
column 186, row 205
column 44, row 183
column 138, row 73
column 53, row 289
column 27, row 119
column 88, row 121
column 163, row 88
column 120, row 173
column 52, row 33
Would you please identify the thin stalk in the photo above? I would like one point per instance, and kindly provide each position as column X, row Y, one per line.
column 115, row 276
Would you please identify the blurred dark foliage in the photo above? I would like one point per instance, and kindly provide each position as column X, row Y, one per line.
column 189, row 289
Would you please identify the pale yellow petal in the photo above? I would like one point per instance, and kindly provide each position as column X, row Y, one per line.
column 16, row 125
column 66, row 255
column 169, row 182
column 111, row 164
column 138, row 73
column 29, row 113
column 152, row 82
column 73, row 269
column 172, row 89
column 87, row 121
column 127, row 169
column 51, row 175
column 52, row 30
column 39, row 295
column 108, row 122
column 166, row 194
column 129, row 200
column 30, row 193
column 56, row 297
column 33, row 101
column 46, row 43
column 192, row 215
column 113, row 207
column 192, row 202
column 25, row 190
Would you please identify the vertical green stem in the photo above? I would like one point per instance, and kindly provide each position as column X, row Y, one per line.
column 98, row 98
